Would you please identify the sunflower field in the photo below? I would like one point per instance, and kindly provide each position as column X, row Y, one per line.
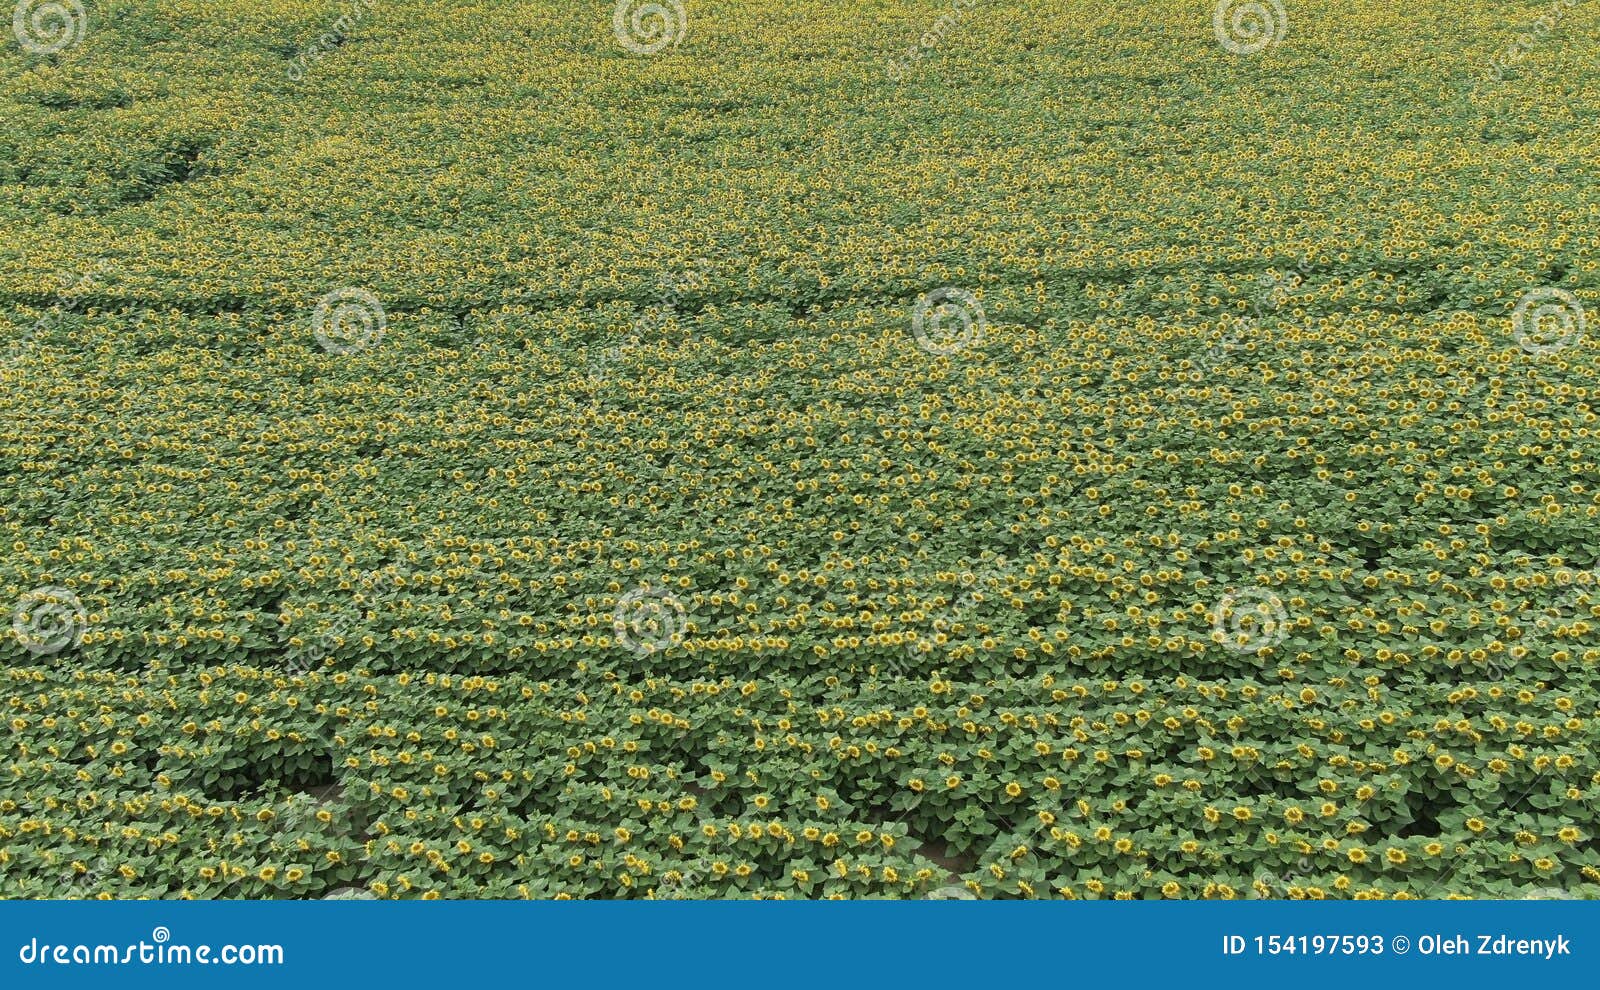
column 716, row 449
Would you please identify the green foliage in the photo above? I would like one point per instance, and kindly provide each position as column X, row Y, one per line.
column 645, row 552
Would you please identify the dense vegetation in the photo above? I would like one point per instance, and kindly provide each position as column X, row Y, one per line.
column 449, row 452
